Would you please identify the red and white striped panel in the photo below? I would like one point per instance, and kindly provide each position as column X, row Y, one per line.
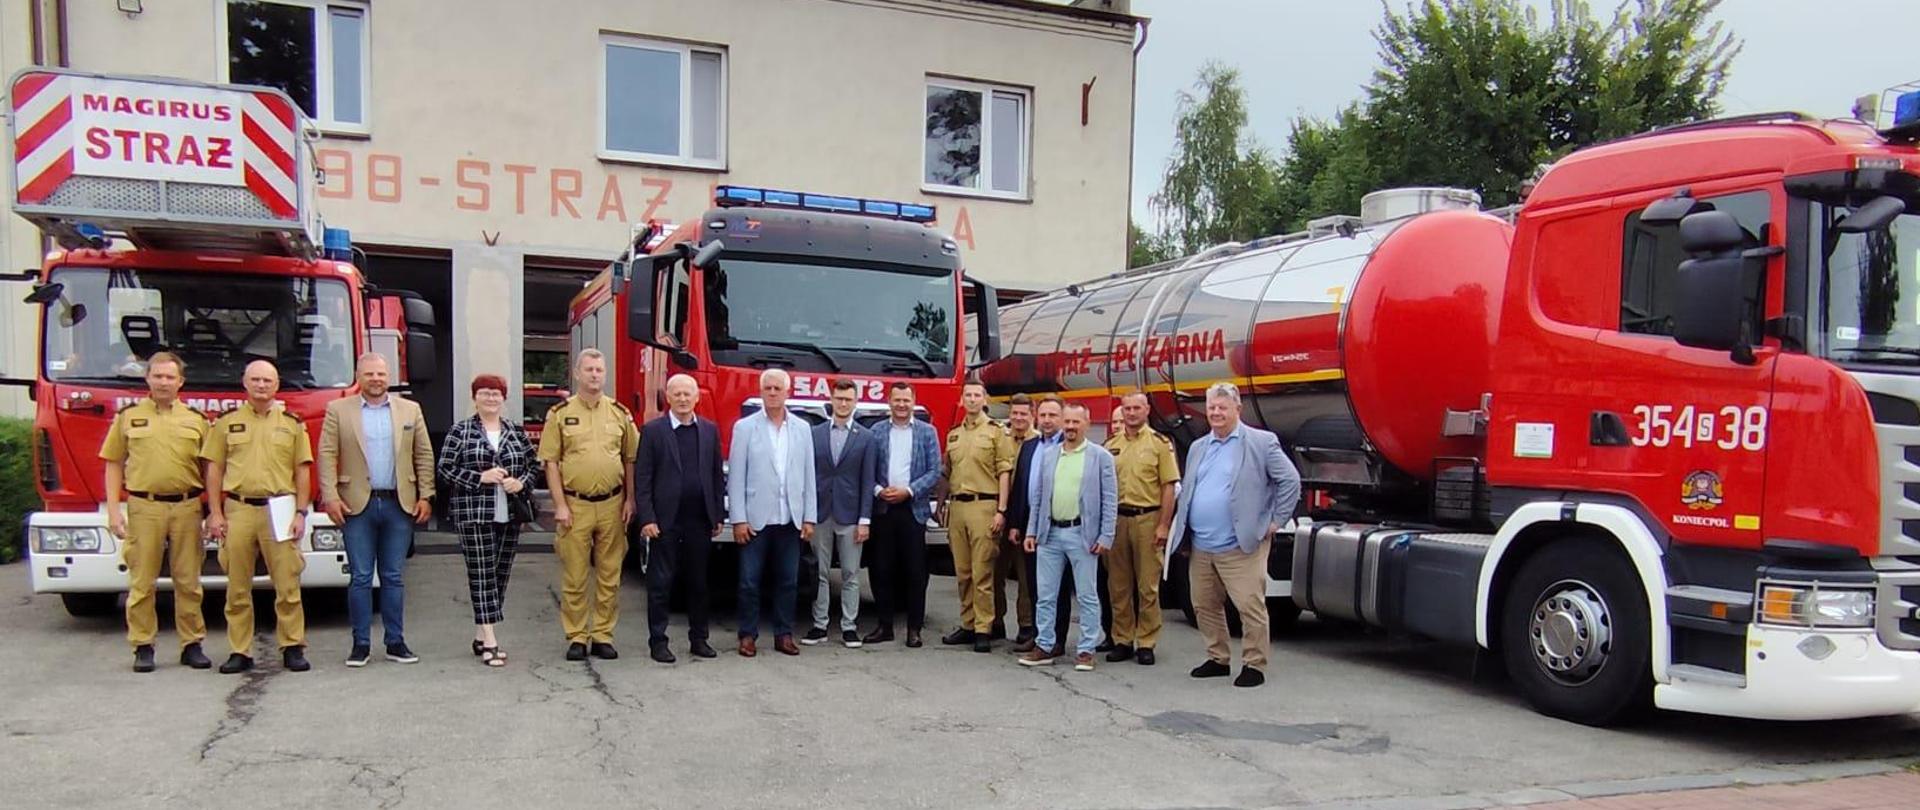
column 43, row 139
column 273, row 132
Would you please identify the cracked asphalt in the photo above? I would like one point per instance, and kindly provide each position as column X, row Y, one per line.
column 1344, row 717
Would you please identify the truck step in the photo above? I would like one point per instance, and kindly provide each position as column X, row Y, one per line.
column 1707, row 675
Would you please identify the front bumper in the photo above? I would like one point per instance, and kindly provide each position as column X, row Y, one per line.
column 1861, row 677
column 106, row 572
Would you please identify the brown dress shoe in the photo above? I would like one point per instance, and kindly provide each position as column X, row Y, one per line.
column 747, row 649
column 786, row 646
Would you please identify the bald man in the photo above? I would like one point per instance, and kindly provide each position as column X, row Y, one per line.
column 677, row 478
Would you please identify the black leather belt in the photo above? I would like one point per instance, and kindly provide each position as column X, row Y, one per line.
column 1064, row 524
column 595, row 498
column 175, row 497
column 1136, row 511
column 384, row 493
column 251, row 500
column 969, row 497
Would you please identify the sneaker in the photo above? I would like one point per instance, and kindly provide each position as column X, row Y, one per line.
column 1250, row 677
column 295, row 659
column 1120, row 652
column 1024, row 645
column 1083, row 662
column 576, row 651
column 399, row 653
column 359, row 656
column 1037, row 658
column 236, row 663
column 192, row 656
column 815, row 636
column 850, row 638
column 143, row 658
column 1211, row 669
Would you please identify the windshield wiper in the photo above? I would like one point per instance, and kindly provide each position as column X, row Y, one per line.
column 1899, row 350
column 822, row 353
column 905, row 354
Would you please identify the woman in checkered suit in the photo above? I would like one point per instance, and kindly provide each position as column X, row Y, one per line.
column 487, row 459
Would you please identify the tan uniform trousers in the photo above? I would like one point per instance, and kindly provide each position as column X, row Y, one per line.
column 1133, row 581
column 250, row 537
column 1242, row 577
column 1012, row 561
column 169, row 531
column 596, row 540
column 971, row 540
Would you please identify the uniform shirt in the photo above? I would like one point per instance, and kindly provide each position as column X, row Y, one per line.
column 1067, row 473
column 1144, row 464
column 260, row 451
column 161, row 448
column 594, row 444
column 978, row 453
column 376, row 429
column 1210, row 512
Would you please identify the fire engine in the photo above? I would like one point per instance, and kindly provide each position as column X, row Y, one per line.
column 826, row 287
column 183, row 222
column 1652, row 439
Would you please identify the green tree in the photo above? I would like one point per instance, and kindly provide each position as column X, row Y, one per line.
column 1219, row 183
column 1144, row 248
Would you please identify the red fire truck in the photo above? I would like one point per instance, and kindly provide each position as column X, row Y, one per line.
column 826, row 287
column 1653, row 438
column 181, row 214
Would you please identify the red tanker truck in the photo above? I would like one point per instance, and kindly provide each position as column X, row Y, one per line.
column 1653, row 438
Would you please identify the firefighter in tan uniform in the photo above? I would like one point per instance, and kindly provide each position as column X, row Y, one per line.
column 255, row 453
column 589, row 445
column 153, row 451
column 979, row 459
column 1012, row 561
column 1143, row 461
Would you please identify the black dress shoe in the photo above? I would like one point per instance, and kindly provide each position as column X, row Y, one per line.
column 604, row 650
column 880, row 635
column 1027, row 635
column 982, row 643
column 662, row 654
column 143, row 658
column 576, row 652
column 236, row 663
column 913, row 639
column 1211, row 669
column 295, row 659
column 1120, row 652
column 192, row 656
column 1104, row 646
column 1144, row 656
column 701, row 649
column 958, row 637
column 1250, row 677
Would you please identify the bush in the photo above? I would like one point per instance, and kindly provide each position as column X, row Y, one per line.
column 17, row 494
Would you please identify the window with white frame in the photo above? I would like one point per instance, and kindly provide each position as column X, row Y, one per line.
column 976, row 138
column 316, row 50
column 663, row 102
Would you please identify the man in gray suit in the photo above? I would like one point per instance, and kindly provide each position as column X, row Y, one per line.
column 845, row 482
column 1075, row 505
column 1240, row 488
column 773, row 505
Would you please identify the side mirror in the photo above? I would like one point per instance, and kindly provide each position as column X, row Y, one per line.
column 1712, row 232
column 986, row 312
column 643, row 297
column 1876, row 214
column 422, row 355
column 1669, row 210
column 417, row 313
column 1718, row 290
column 44, row 294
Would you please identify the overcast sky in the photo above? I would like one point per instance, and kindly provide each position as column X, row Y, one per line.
column 1313, row 56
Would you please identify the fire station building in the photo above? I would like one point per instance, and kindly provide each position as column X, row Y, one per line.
column 492, row 155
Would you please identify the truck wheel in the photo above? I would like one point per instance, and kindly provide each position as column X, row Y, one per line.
column 90, row 605
column 1574, row 633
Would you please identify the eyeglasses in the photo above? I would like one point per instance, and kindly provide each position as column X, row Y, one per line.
column 488, row 393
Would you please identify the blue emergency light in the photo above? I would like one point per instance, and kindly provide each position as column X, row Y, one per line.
column 337, row 244
column 1906, row 109
column 737, row 196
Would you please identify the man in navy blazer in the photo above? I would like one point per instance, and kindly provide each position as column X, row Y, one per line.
column 844, row 480
column 773, row 506
column 1240, row 486
column 904, row 465
column 678, row 485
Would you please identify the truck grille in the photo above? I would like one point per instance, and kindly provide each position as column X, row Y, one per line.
column 1899, row 596
column 1894, row 399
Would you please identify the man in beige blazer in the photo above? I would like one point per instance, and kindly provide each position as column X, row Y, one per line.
column 376, row 481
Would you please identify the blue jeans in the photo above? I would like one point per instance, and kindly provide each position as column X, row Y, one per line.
column 377, row 538
column 779, row 545
column 1065, row 547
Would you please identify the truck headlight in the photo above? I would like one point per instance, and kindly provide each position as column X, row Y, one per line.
column 328, row 538
column 66, row 540
column 1815, row 606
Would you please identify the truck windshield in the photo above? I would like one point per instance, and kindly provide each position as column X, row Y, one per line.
column 1869, row 286
column 831, row 317
column 107, row 322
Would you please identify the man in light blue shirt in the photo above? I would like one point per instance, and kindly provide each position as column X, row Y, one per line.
column 376, row 422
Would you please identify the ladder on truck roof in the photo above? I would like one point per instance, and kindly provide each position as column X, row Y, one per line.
column 162, row 163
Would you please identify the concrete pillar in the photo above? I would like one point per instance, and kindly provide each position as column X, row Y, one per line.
column 489, row 291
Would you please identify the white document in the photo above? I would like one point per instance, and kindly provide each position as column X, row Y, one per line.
column 1533, row 440
column 280, row 510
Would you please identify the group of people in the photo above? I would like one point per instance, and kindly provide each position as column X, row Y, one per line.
column 1031, row 500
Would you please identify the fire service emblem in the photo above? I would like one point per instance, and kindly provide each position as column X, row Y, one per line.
column 1701, row 490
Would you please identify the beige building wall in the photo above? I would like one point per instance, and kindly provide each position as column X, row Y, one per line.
column 484, row 122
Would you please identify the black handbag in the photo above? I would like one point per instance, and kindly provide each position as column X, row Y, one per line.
column 520, row 507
